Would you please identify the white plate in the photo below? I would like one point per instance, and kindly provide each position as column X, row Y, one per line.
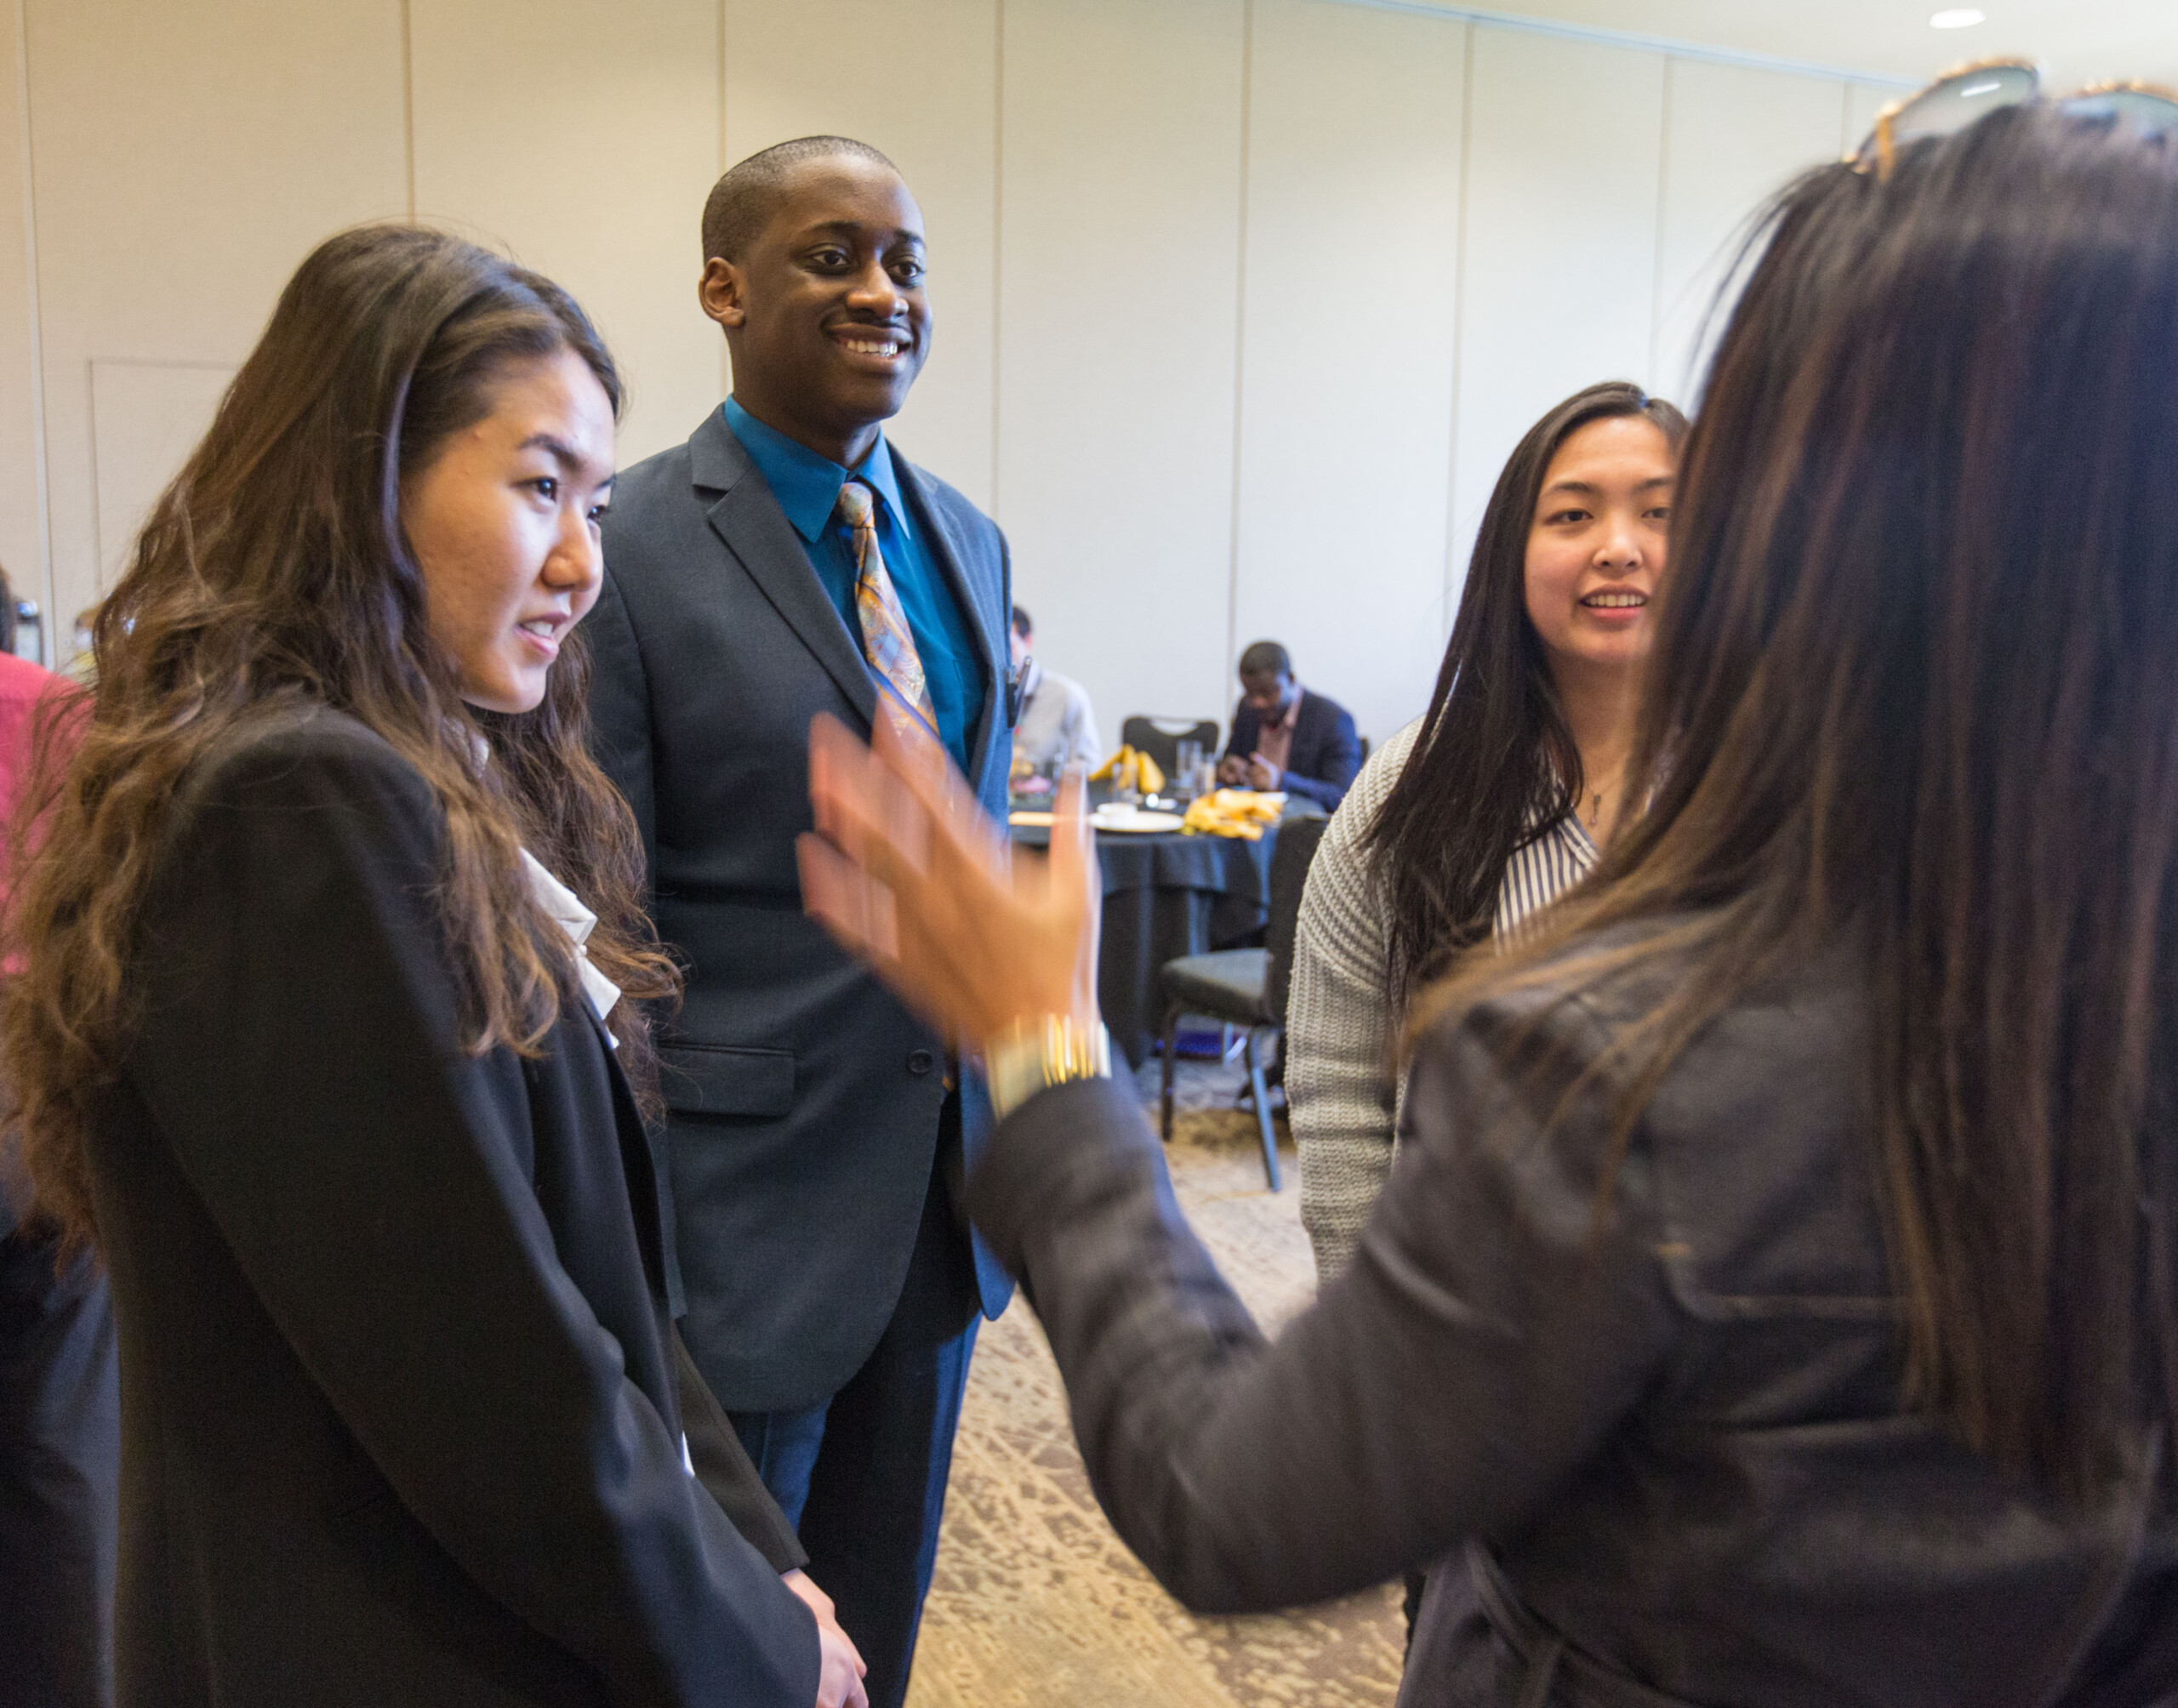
column 1133, row 821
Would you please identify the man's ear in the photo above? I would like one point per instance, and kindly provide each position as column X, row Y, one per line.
column 720, row 291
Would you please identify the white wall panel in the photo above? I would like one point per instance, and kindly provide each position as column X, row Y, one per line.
column 22, row 539
column 1558, row 269
column 1119, row 243
column 930, row 104
column 1733, row 138
column 146, row 417
column 1352, row 264
column 188, row 155
column 1175, row 481
column 1863, row 101
column 586, row 150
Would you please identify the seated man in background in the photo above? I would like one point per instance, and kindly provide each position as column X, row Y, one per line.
column 1285, row 737
column 1056, row 720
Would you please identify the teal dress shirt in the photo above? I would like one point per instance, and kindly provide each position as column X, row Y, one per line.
column 807, row 486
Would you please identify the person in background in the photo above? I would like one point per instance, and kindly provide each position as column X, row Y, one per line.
column 60, row 1393
column 1775, row 1300
column 1495, row 801
column 1057, row 725
column 1447, row 841
column 1285, row 737
column 788, row 561
column 319, row 1036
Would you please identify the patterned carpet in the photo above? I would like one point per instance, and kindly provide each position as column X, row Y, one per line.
column 1035, row 1601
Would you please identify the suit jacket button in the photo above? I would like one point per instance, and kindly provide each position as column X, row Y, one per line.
column 922, row 1061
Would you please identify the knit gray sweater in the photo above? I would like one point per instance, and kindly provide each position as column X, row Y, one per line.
column 1342, row 1096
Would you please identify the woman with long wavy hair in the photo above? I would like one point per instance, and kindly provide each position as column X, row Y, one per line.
column 325, row 945
column 1775, row 1300
column 1492, row 804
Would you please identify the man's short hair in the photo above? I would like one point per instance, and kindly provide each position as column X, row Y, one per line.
column 742, row 203
column 1022, row 625
column 1266, row 658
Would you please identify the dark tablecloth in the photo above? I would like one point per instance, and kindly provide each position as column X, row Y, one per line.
column 1165, row 896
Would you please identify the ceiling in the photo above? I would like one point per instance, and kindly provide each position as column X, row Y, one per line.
column 2075, row 41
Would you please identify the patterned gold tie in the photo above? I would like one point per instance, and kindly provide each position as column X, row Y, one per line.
column 886, row 641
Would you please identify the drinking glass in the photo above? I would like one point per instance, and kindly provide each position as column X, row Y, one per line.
column 1187, row 766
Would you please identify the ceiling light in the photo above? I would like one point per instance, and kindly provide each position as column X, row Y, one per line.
column 1959, row 18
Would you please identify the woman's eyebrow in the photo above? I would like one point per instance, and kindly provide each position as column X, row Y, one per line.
column 1592, row 490
column 571, row 461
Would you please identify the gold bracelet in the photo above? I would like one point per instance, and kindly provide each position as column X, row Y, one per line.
column 1033, row 1054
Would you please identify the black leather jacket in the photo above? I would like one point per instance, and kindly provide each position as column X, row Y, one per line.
column 1662, row 1456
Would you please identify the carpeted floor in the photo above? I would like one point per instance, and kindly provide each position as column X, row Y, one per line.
column 1035, row 1601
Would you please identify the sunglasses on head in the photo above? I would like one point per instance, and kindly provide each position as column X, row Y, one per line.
column 1956, row 99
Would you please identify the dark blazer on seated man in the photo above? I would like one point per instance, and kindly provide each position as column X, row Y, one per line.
column 1288, row 737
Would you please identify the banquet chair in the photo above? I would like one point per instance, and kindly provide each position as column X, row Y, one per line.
column 1161, row 738
column 1246, row 988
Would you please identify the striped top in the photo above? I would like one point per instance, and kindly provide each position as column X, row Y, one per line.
column 1540, row 873
column 1341, row 1099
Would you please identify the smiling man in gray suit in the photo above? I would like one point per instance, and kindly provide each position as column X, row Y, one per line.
column 787, row 561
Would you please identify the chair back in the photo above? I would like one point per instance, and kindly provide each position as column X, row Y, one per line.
column 1160, row 738
column 1290, row 859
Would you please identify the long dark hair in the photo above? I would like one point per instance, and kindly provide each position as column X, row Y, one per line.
column 1495, row 766
column 274, row 574
column 1911, row 690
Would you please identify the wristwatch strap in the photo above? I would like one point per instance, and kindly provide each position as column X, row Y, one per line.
column 1037, row 1054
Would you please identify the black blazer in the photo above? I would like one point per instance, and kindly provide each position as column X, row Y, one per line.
column 805, row 1100
column 1325, row 752
column 399, row 1420
column 1676, row 1441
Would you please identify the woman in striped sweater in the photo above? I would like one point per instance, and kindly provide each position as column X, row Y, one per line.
column 1496, row 799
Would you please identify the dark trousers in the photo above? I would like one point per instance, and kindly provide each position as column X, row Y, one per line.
column 60, row 1479
column 863, row 1476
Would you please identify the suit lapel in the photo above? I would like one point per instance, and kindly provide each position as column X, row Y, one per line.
column 753, row 528
column 952, row 558
column 645, row 1172
column 1318, row 728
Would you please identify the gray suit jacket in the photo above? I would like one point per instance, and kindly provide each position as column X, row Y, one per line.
column 1672, row 1441
column 804, row 1100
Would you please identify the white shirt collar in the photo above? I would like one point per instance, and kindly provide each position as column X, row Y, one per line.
column 578, row 921
column 567, row 909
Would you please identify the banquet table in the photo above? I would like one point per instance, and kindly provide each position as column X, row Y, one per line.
column 1167, row 894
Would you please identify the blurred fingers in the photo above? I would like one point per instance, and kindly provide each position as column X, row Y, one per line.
column 1071, row 835
column 848, row 900
column 861, row 802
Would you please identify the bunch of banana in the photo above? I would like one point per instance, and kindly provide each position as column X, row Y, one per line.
column 1241, row 813
column 1131, row 768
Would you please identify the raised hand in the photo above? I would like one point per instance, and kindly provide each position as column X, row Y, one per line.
column 910, row 874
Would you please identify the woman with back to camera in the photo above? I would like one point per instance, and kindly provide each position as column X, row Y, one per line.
column 1460, row 834
column 311, row 1039
column 1777, row 1289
